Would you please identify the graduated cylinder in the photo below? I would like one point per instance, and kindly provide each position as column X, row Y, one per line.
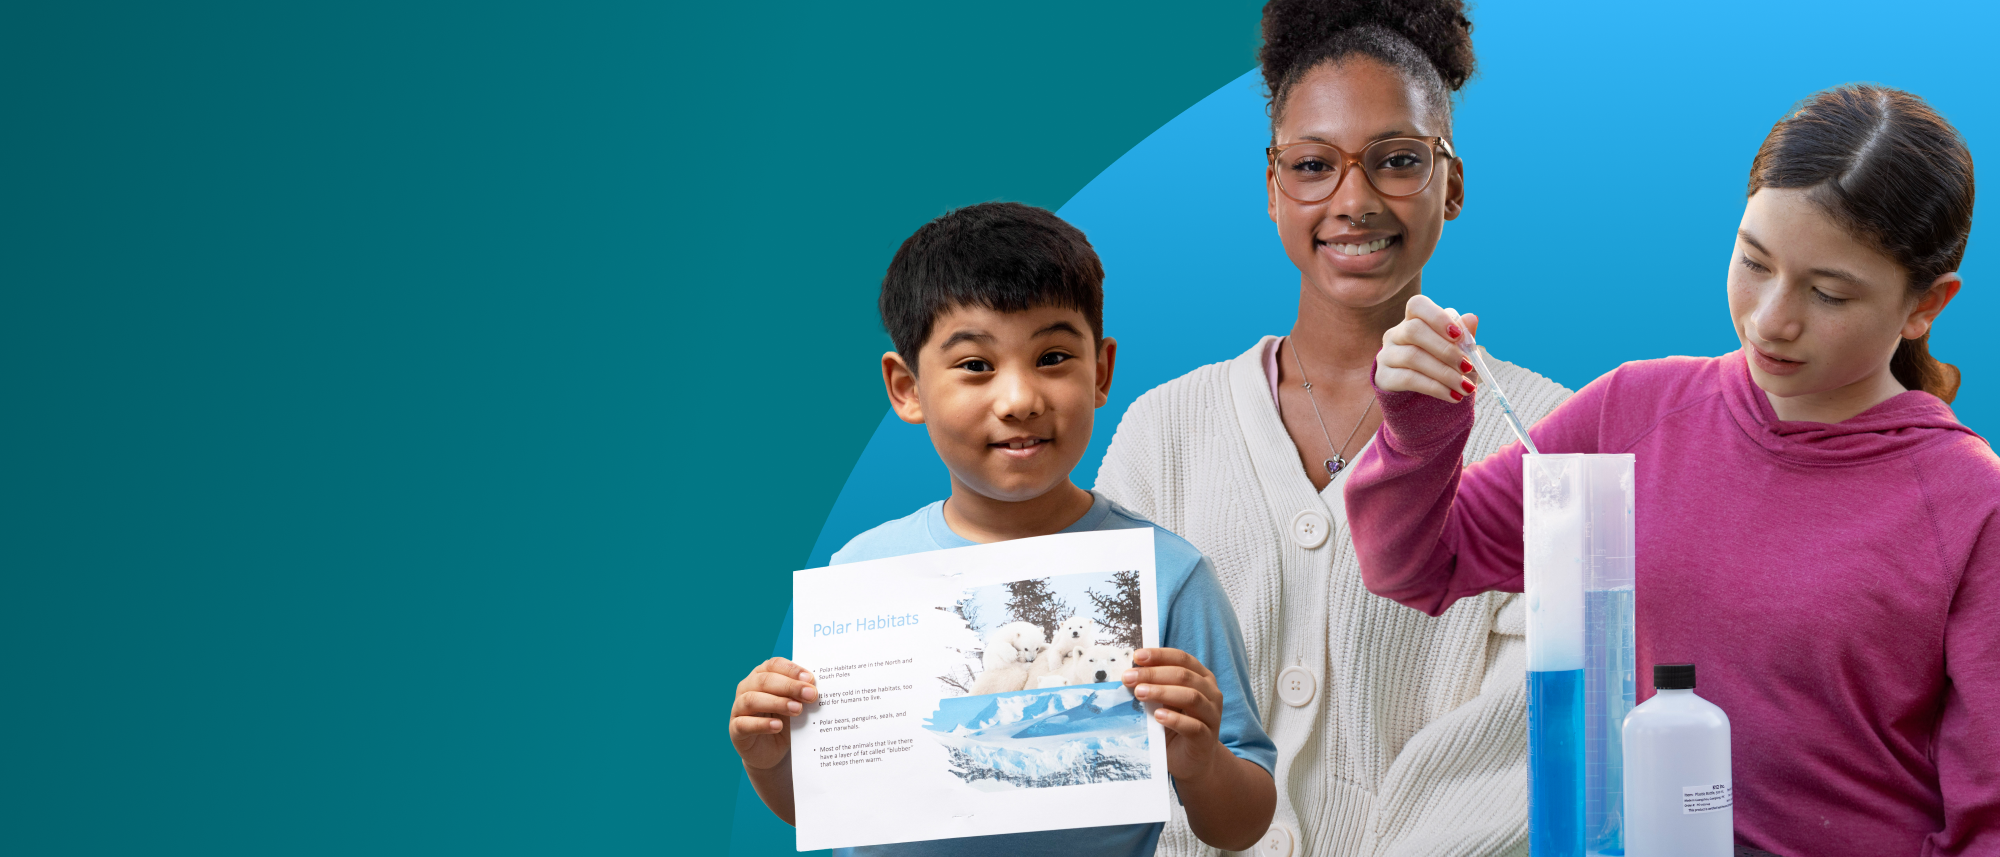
column 1578, row 536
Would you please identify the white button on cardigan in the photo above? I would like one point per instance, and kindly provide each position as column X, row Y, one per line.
column 1309, row 529
column 1296, row 686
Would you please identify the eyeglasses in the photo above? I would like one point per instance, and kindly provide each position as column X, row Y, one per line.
column 1397, row 167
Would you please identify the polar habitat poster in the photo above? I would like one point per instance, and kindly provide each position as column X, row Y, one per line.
column 977, row 691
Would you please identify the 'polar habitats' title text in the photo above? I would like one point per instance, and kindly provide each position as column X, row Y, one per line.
column 865, row 623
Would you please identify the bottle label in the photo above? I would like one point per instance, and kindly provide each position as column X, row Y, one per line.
column 1713, row 797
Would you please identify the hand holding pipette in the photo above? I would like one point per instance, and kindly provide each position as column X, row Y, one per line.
column 1472, row 350
column 1422, row 354
column 1433, row 352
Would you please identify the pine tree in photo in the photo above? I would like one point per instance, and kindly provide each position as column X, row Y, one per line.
column 1033, row 601
column 962, row 677
column 1118, row 611
column 968, row 611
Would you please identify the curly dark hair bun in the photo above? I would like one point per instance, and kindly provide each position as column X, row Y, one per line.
column 1429, row 40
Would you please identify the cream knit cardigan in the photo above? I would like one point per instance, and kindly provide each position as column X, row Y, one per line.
column 1416, row 740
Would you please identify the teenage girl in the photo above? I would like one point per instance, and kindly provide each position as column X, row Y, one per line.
column 1397, row 732
column 1816, row 532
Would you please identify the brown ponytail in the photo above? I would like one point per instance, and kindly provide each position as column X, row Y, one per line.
column 1915, row 368
column 1895, row 173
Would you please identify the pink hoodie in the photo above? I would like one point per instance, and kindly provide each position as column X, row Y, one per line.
column 1836, row 585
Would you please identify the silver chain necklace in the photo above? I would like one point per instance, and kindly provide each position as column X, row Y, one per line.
column 1338, row 462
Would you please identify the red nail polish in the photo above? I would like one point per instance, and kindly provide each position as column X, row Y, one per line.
column 1451, row 330
column 1455, row 396
column 1464, row 366
column 1467, row 385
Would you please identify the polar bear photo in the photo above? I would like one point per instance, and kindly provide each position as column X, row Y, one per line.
column 1015, row 644
column 1032, row 634
column 1099, row 664
column 1010, row 651
column 1000, row 680
column 1073, row 636
column 1031, row 696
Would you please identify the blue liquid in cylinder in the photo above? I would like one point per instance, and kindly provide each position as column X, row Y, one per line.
column 1555, row 763
column 1608, row 696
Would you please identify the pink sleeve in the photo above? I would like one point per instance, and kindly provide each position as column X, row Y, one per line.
column 1968, row 733
column 1426, row 530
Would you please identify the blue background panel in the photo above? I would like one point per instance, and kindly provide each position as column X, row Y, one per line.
column 413, row 412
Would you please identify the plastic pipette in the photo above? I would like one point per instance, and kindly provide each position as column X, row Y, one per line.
column 1472, row 353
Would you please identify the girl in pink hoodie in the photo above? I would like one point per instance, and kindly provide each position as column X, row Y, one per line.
column 1816, row 532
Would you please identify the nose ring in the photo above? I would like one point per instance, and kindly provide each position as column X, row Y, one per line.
column 1364, row 219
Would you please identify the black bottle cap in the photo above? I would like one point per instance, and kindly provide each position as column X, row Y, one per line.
column 1673, row 676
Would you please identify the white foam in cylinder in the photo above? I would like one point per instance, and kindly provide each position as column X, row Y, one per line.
column 1553, row 533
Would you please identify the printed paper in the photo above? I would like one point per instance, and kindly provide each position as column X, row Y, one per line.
column 976, row 691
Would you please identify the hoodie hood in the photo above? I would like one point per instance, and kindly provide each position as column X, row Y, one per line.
column 1904, row 424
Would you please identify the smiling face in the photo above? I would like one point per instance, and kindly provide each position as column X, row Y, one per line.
column 1357, row 248
column 1008, row 397
column 1819, row 312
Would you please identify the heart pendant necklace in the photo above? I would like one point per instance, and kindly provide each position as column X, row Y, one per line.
column 1338, row 462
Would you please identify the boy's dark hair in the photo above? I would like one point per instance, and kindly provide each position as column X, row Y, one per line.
column 1003, row 256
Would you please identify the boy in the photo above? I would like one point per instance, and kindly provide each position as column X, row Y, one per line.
column 996, row 311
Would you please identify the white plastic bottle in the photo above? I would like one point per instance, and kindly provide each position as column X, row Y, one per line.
column 1677, row 783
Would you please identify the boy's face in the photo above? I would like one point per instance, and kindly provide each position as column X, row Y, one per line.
column 1007, row 396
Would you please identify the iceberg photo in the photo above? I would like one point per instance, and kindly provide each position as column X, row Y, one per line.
column 1062, row 736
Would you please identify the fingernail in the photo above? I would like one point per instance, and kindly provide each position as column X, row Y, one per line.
column 1142, row 690
column 1467, row 385
column 1131, row 675
column 777, row 725
column 1160, row 715
column 1464, row 365
column 1455, row 396
column 1142, row 656
column 805, row 677
column 793, row 707
column 809, row 694
column 1451, row 330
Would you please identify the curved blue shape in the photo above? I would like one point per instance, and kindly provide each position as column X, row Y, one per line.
column 1578, row 265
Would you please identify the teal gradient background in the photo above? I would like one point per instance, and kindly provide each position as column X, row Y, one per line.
column 413, row 412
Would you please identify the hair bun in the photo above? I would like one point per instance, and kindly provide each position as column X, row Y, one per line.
column 1293, row 29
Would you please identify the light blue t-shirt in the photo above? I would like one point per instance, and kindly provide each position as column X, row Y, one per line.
column 1196, row 618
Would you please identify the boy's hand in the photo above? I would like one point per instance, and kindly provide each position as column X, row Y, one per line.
column 765, row 701
column 1190, row 708
column 1229, row 801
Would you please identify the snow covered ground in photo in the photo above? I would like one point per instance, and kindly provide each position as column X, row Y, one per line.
column 1064, row 736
